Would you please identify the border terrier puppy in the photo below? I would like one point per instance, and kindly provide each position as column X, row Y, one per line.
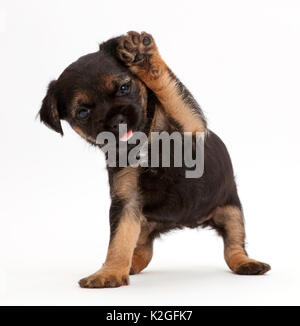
column 127, row 82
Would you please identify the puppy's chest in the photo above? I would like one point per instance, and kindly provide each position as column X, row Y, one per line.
column 160, row 178
column 160, row 188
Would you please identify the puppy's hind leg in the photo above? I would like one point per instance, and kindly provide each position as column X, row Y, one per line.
column 228, row 221
column 141, row 257
column 143, row 252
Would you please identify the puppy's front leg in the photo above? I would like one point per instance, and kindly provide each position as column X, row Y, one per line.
column 139, row 52
column 125, row 230
column 115, row 270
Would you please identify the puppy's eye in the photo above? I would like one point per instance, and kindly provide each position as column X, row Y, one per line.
column 83, row 113
column 124, row 89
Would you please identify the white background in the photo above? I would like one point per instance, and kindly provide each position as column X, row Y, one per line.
column 241, row 60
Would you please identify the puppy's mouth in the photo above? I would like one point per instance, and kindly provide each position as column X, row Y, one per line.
column 123, row 121
column 126, row 136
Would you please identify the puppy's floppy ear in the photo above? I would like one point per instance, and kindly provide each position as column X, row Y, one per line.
column 110, row 46
column 49, row 114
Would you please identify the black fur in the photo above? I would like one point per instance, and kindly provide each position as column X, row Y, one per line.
column 167, row 196
column 149, row 201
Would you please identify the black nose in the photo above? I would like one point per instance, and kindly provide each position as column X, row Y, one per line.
column 113, row 123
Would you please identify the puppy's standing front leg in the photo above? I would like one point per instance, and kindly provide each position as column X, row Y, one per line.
column 125, row 230
column 140, row 54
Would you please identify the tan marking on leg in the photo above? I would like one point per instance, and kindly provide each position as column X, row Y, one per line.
column 125, row 184
column 124, row 241
column 154, row 72
column 144, row 250
column 115, row 270
column 143, row 95
column 141, row 258
column 166, row 90
column 230, row 219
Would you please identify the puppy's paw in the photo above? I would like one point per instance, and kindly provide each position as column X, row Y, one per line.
column 136, row 48
column 105, row 279
column 253, row 268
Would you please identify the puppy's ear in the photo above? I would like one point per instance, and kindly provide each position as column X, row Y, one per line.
column 49, row 114
column 110, row 46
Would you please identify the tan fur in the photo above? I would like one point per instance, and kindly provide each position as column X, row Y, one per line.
column 117, row 265
column 159, row 80
column 144, row 250
column 125, row 183
column 124, row 241
column 111, row 81
column 143, row 95
column 141, row 258
column 166, row 91
column 115, row 270
column 80, row 98
column 231, row 219
column 156, row 75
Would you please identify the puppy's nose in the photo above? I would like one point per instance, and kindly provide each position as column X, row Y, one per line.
column 114, row 122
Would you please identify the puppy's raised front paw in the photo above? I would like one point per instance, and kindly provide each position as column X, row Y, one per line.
column 136, row 48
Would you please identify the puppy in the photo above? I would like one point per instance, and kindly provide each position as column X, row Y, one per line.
column 127, row 82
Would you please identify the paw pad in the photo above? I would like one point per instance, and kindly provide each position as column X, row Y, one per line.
column 135, row 48
column 146, row 40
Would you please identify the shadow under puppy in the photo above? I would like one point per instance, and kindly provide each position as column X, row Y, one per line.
column 127, row 81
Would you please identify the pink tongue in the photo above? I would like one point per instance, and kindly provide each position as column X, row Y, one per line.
column 126, row 136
